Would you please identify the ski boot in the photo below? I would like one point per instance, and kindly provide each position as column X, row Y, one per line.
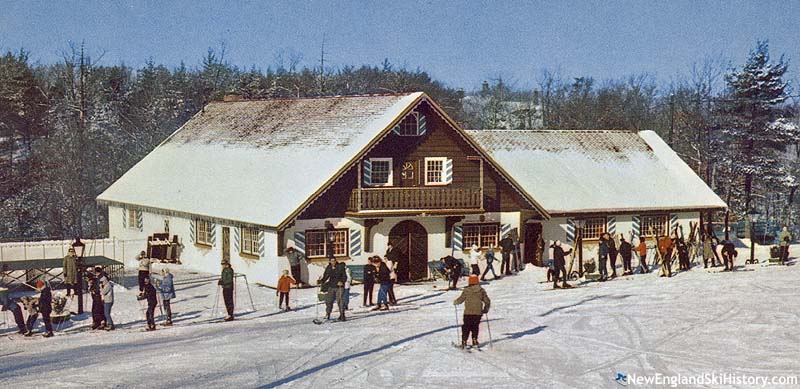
column 475, row 342
column 48, row 334
column 463, row 344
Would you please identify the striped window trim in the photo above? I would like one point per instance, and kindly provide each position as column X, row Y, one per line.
column 317, row 247
column 132, row 217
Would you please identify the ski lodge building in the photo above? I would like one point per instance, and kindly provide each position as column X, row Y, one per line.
column 245, row 180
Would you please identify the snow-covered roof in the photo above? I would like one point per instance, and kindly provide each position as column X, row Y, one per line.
column 572, row 172
column 257, row 161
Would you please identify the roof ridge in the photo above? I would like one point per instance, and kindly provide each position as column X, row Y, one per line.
column 246, row 100
column 552, row 131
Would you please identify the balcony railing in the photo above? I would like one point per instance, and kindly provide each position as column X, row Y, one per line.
column 378, row 199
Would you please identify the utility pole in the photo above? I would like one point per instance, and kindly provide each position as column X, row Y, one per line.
column 322, row 67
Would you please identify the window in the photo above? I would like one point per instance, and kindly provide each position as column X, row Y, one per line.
column 203, row 232
column 133, row 218
column 409, row 126
column 249, row 241
column 593, row 228
column 317, row 244
column 482, row 235
column 381, row 171
column 434, row 171
column 654, row 224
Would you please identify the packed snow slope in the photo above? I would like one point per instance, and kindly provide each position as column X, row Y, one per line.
column 697, row 322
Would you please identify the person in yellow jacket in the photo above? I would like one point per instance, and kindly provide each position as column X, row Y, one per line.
column 476, row 304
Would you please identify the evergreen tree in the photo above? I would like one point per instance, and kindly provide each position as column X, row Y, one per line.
column 752, row 107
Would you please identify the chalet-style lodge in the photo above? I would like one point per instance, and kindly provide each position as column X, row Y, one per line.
column 256, row 177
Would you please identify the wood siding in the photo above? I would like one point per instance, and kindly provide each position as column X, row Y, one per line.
column 439, row 141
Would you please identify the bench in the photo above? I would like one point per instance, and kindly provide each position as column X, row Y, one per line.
column 356, row 272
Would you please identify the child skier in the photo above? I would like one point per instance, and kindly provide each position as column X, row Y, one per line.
column 149, row 294
column 642, row 249
column 489, row 263
column 476, row 304
column 284, row 285
column 167, row 290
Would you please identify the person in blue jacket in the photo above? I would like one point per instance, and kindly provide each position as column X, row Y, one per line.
column 167, row 290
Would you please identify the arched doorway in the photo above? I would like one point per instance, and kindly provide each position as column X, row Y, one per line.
column 410, row 239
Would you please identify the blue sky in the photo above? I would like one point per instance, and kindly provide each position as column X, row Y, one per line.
column 458, row 42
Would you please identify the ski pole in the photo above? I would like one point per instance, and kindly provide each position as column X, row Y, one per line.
column 489, row 330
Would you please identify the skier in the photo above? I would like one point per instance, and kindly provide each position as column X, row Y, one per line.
column 98, row 317
column 476, row 304
column 603, row 256
column 665, row 247
column 369, row 282
column 392, row 266
column 626, row 252
column 729, row 253
column 69, row 264
column 683, row 255
column 149, row 294
column 489, row 263
column 226, row 281
column 474, row 257
column 453, row 268
column 612, row 254
column 784, row 237
column 295, row 258
column 347, row 285
column 107, row 294
column 42, row 305
column 9, row 304
column 708, row 253
column 383, row 277
column 144, row 269
column 332, row 281
column 642, row 249
column 560, row 264
column 507, row 245
column 167, row 290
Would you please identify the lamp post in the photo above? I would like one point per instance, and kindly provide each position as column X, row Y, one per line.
column 579, row 224
column 753, row 216
column 79, row 250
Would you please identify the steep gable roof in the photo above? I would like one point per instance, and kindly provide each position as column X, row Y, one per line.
column 256, row 161
column 263, row 162
column 571, row 172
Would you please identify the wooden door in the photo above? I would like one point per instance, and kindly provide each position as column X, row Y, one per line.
column 410, row 240
column 533, row 252
column 226, row 244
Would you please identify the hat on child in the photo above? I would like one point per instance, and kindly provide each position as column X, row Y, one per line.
column 285, row 272
column 474, row 280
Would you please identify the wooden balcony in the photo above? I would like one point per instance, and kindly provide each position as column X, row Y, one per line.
column 416, row 199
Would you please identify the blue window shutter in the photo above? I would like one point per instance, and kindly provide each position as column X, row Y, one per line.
column 236, row 239
column 355, row 243
column 124, row 218
column 611, row 225
column 422, row 125
column 504, row 230
column 367, row 172
column 140, row 220
column 213, row 234
column 636, row 229
column 191, row 231
column 261, row 246
column 300, row 242
column 457, row 242
column 673, row 223
column 570, row 231
column 448, row 171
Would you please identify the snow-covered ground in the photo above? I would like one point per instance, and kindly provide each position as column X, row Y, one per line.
column 698, row 322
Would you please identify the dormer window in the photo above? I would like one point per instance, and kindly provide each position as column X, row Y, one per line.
column 411, row 125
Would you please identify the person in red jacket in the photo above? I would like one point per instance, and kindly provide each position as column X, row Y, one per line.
column 642, row 249
column 284, row 285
